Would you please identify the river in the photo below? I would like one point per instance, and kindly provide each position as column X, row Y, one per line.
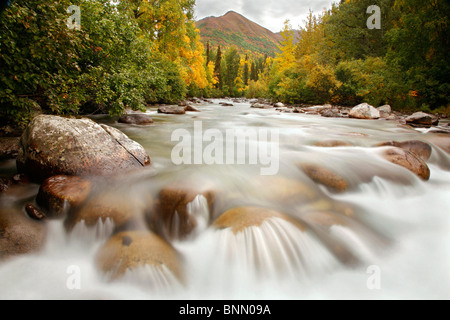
column 385, row 237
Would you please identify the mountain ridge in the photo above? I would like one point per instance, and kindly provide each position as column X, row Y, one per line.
column 234, row 29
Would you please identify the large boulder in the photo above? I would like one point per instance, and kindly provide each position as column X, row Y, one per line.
column 364, row 111
column 19, row 234
column 53, row 145
column 422, row 119
column 128, row 251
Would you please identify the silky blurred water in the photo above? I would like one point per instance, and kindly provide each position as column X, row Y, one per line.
column 393, row 221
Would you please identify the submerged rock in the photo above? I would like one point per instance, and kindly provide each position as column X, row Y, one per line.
column 419, row 148
column 136, row 119
column 60, row 193
column 128, row 251
column 364, row 111
column 332, row 143
column 277, row 189
column 324, row 177
column 53, row 145
column 124, row 211
column 19, row 234
column 172, row 216
column 241, row 218
column 409, row 161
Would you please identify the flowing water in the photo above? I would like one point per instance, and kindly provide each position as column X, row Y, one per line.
column 386, row 237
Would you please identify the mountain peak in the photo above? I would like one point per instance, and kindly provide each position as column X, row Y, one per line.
column 231, row 12
column 233, row 29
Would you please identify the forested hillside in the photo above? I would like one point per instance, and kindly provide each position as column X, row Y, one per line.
column 340, row 60
column 141, row 52
column 233, row 29
column 124, row 56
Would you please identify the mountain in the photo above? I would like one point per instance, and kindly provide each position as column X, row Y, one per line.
column 235, row 29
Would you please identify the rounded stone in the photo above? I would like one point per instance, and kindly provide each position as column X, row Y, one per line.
column 19, row 234
column 419, row 148
column 124, row 211
column 53, row 145
column 171, row 216
column 60, row 193
column 409, row 161
column 325, row 177
column 172, row 110
column 364, row 111
column 241, row 218
column 133, row 249
column 136, row 119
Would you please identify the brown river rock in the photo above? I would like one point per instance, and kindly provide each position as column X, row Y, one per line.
column 19, row 234
column 419, row 148
column 171, row 216
column 241, row 218
column 53, row 145
column 172, row 110
column 325, row 177
column 140, row 119
column 408, row 160
column 281, row 190
column 124, row 210
column 133, row 249
column 60, row 193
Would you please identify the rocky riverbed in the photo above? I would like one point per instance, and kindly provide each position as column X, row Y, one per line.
column 111, row 185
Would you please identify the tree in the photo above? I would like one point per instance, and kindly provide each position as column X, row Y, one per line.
column 422, row 57
column 217, row 68
column 246, row 71
column 232, row 60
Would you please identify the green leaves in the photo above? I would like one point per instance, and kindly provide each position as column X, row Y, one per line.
column 110, row 65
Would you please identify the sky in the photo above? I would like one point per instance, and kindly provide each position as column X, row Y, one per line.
column 270, row 14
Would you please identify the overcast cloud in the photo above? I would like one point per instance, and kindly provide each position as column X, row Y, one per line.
column 268, row 13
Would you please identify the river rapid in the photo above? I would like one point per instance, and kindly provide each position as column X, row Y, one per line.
column 386, row 237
